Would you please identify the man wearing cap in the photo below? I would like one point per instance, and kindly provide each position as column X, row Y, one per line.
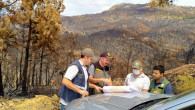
column 138, row 80
column 99, row 72
column 160, row 84
column 75, row 83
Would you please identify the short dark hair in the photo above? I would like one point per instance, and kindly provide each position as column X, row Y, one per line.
column 160, row 68
column 82, row 56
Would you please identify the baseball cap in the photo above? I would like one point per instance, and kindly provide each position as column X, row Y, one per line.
column 106, row 54
column 137, row 65
column 89, row 53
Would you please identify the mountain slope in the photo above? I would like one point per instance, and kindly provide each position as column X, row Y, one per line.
column 175, row 24
column 159, row 36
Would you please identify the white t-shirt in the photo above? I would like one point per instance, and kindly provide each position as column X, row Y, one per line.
column 71, row 72
column 140, row 83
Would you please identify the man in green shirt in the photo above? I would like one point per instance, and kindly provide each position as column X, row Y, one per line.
column 160, row 84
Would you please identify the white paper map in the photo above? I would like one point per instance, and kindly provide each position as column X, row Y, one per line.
column 118, row 89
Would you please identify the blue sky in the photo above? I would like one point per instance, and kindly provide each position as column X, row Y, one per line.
column 81, row 7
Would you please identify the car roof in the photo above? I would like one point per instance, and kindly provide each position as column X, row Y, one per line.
column 114, row 101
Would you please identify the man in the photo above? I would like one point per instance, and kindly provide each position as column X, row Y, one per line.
column 138, row 80
column 75, row 83
column 160, row 84
column 99, row 72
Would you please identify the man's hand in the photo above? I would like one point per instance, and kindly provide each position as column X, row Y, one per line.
column 108, row 81
column 98, row 88
column 94, row 86
column 71, row 86
column 83, row 93
column 156, row 92
column 144, row 90
column 104, row 80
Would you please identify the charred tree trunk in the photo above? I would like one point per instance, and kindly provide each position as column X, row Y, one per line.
column 24, row 76
column 36, row 78
column 41, row 65
column 49, row 79
column 190, row 53
column 21, row 58
column 16, row 72
column 29, row 73
column 33, row 72
column 1, row 83
column 128, row 62
column 46, row 76
column 20, row 80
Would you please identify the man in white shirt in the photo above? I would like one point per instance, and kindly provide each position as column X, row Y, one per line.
column 138, row 80
column 75, row 83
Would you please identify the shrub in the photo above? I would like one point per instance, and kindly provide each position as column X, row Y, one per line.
column 184, row 82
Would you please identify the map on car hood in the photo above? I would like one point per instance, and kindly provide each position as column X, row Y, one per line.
column 118, row 89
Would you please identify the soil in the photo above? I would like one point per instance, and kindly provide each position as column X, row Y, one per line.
column 38, row 102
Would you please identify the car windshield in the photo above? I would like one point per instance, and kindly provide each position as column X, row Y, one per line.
column 177, row 96
column 147, row 104
column 188, row 93
column 160, row 101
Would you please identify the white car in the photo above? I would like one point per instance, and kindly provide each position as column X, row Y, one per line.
column 134, row 101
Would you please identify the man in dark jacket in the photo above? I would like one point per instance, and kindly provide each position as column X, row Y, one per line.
column 75, row 83
column 99, row 73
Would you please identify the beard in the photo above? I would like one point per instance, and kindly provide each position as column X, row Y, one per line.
column 105, row 64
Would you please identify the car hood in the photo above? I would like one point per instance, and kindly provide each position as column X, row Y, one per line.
column 113, row 101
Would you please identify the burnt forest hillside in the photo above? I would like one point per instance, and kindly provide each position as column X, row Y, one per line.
column 154, row 36
column 157, row 36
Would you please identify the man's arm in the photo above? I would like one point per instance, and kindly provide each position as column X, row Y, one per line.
column 109, row 82
column 94, row 86
column 146, row 85
column 168, row 89
column 92, row 72
column 144, row 90
column 125, row 83
column 96, row 80
column 71, row 86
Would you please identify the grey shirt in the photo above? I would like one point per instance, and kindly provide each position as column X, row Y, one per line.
column 92, row 70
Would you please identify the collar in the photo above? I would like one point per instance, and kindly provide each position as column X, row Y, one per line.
column 160, row 81
column 141, row 76
column 82, row 63
column 97, row 65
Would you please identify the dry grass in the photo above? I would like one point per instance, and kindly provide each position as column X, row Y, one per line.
column 39, row 102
